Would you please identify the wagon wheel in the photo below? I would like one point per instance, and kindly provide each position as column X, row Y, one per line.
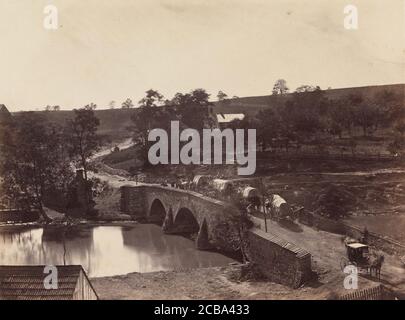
column 344, row 262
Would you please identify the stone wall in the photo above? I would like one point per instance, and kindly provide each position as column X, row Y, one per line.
column 280, row 261
column 18, row 216
column 133, row 202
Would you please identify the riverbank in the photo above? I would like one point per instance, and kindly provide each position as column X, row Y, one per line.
column 84, row 223
column 214, row 283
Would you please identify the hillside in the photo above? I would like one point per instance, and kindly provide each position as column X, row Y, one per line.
column 250, row 105
column 113, row 122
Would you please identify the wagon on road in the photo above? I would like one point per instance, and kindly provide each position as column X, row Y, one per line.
column 359, row 255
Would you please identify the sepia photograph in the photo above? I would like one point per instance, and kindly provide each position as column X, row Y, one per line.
column 219, row 152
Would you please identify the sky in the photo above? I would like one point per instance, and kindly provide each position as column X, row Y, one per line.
column 106, row 50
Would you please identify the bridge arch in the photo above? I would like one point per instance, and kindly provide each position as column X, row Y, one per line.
column 186, row 222
column 157, row 212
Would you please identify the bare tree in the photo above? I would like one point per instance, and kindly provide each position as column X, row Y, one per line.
column 127, row 104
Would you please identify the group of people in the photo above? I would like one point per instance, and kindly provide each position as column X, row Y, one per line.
column 182, row 184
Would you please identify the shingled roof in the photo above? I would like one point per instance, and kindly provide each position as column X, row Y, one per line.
column 27, row 283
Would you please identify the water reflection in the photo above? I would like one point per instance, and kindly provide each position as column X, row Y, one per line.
column 105, row 251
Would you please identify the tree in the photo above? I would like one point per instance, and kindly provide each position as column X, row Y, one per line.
column 148, row 117
column 90, row 106
column 189, row 108
column 346, row 109
column 302, row 116
column 396, row 147
column 334, row 202
column 181, row 99
column 340, row 118
column 400, row 127
column 127, row 104
column 52, row 108
column 196, row 97
column 266, row 123
column 367, row 117
column 390, row 105
column 152, row 99
column 82, row 136
column 307, row 88
column 280, row 87
column 200, row 97
column 112, row 104
column 36, row 162
column 353, row 145
column 221, row 96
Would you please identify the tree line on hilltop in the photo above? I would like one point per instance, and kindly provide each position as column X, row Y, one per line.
column 309, row 116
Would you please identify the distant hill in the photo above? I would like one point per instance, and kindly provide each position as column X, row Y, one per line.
column 250, row 105
column 114, row 122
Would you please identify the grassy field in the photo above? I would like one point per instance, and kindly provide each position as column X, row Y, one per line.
column 114, row 123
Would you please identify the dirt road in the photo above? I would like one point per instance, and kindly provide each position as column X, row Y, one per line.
column 199, row 284
column 327, row 250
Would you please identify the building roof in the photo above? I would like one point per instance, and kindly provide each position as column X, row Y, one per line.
column 357, row 245
column 228, row 117
column 4, row 113
column 3, row 108
column 299, row 252
column 27, row 283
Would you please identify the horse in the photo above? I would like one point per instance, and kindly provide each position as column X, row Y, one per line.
column 376, row 263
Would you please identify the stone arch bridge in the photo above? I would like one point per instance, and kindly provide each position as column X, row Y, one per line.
column 183, row 211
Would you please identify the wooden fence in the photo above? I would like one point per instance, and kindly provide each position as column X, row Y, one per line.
column 379, row 241
column 320, row 156
column 374, row 293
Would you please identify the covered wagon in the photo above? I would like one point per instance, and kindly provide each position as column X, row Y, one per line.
column 201, row 181
column 224, row 187
column 279, row 208
column 252, row 195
